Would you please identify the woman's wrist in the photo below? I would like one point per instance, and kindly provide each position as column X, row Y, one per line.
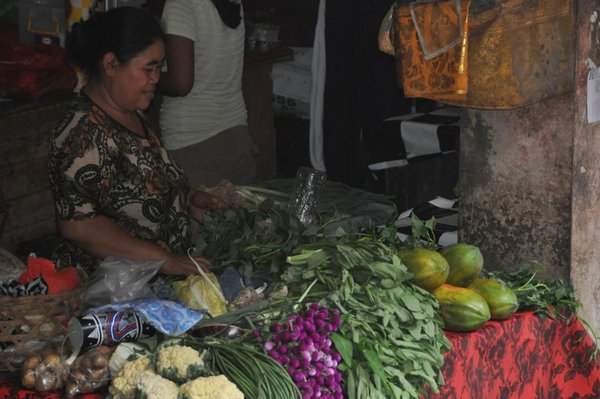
column 193, row 199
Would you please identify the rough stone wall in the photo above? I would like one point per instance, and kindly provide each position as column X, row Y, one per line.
column 585, row 245
column 515, row 184
column 530, row 180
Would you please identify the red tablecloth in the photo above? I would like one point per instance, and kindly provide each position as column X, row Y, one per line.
column 524, row 357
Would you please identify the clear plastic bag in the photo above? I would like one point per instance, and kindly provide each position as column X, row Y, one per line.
column 121, row 280
column 90, row 372
column 44, row 371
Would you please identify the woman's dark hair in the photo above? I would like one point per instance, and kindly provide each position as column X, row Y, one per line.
column 124, row 31
column 229, row 11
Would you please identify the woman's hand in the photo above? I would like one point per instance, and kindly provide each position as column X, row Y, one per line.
column 201, row 203
column 182, row 265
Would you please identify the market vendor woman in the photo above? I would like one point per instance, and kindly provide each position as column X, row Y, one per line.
column 116, row 191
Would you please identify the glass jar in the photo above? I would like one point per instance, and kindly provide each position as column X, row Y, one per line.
column 304, row 201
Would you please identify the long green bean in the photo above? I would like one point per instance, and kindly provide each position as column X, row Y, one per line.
column 257, row 375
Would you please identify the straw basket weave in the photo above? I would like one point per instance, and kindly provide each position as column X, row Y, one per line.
column 28, row 323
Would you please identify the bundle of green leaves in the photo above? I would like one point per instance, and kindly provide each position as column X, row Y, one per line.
column 391, row 338
column 547, row 298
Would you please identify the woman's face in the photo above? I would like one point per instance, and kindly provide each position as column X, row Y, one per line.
column 133, row 84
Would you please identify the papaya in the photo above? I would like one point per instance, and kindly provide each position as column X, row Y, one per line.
column 465, row 261
column 429, row 268
column 461, row 309
column 501, row 299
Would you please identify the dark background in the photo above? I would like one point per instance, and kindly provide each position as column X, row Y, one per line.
column 361, row 90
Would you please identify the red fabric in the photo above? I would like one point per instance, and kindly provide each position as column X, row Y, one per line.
column 10, row 388
column 31, row 71
column 63, row 280
column 524, row 357
column 35, row 267
column 57, row 281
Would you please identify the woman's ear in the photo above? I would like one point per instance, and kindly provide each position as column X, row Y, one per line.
column 110, row 63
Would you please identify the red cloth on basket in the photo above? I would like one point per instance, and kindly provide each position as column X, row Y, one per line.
column 58, row 281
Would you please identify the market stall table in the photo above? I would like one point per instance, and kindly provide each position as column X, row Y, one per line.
column 525, row 357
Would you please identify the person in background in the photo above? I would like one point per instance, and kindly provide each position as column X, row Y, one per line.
column 116, row 190
column 203, row 116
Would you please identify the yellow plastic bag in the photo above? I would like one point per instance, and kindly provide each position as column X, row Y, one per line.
column 201, row 293
column 431, row 40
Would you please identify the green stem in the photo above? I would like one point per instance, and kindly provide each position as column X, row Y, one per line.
column 301, row 258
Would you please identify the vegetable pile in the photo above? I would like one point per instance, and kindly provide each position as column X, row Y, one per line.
column 346, row 313
column 189, row 368
column 391, row 337
column 552, row 298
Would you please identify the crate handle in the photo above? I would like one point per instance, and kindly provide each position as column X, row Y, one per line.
column 41, row 32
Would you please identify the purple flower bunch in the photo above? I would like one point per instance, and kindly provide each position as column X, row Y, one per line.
column 302, row 345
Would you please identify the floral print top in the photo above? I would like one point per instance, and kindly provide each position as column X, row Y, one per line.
column 99, row 167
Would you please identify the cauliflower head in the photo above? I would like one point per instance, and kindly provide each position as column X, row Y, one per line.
column 125, row 382
column 214, row 387
column 180, row 363
column 152, row 386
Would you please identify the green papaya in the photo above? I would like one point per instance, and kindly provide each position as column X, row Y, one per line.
column 429, row 267
column 501, row 299
column 465, row 261
column 462, row 309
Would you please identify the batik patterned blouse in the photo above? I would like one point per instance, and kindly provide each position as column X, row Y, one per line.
column 99, row 167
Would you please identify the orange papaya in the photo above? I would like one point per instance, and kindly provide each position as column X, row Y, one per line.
column 465, row 261
column 501, row 299
column 429, row 268
column 461, row 309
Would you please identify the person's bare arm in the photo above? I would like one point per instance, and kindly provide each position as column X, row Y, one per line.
column 102, row 237
column 178, row 80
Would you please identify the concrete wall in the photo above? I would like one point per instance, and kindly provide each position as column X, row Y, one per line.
column 530, row 180
column 585, row 238
column 515, row 184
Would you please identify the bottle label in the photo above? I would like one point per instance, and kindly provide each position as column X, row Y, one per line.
column 113, row 327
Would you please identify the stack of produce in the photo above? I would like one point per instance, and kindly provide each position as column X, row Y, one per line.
column 189, row 368
column 452, row 275
column 355, row 315
column 391, row 338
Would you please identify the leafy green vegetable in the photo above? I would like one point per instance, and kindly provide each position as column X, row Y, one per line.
column 391, row 339
column 258, row 240
column 258, row 236
column 552, row 298
column 423, row 235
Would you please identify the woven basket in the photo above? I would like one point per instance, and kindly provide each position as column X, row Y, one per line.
column 29, row 323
